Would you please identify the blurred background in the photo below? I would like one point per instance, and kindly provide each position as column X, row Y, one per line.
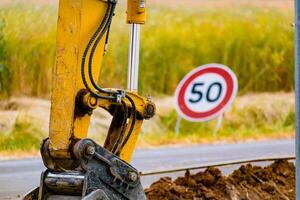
column 254, row 38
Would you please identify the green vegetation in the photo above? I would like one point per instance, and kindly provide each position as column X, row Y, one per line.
column 4, row 78
column 29, row 38
column 256, row 43
column 233, row 130
column 24, row 136
column 252, row 117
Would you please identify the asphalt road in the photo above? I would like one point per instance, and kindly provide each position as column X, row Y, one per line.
column 19, row 176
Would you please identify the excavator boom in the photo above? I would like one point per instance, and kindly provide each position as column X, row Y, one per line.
column 77, row 167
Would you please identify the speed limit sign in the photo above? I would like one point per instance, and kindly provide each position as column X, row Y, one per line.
column 206, row 92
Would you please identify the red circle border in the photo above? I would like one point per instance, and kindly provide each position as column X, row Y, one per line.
column 211, row 69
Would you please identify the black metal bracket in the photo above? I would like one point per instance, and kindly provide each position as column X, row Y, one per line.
column 100, row 175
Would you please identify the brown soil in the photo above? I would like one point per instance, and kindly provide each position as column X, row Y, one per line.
column 276, row 182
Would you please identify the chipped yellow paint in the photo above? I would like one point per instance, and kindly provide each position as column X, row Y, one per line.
column 77, row 21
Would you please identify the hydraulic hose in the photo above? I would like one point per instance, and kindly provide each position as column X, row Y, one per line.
column 133, row 120
column 107, row 14
column 124, row 122
column 91, row 57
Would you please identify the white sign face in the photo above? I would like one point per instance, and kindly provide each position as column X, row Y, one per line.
column 206, row 92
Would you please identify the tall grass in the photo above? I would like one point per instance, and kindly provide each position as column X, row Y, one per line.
column 29, row 38
column 256, row 43
column 251, row 117
column 259, row 116
column 23, row 136
column 4, row 75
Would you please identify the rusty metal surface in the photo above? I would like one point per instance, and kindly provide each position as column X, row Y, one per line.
column 100, row 174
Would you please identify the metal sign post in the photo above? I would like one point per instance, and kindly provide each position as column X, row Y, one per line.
column 177, row 127
column 297, row 95
column 218, row 126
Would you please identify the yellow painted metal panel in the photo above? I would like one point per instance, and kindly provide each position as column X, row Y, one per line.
column 128, row 149
column 136, row 11
column 77, row 21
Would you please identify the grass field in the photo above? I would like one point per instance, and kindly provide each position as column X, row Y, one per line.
column 23, row 137
column 252, row 117
column 254, row 39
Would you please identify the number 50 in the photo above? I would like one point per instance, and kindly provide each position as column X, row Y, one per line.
column 198, row 94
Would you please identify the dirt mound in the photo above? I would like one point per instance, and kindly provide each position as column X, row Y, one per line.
column 276, row 182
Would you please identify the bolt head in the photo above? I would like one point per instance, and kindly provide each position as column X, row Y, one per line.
column 90, row 150
column 150, row 110
column 149, row 98
column 132, row 176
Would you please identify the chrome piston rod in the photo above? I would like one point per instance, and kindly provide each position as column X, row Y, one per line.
column 65, row 183
column 133, row 57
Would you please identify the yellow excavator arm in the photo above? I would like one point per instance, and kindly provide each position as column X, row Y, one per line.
column 81, row 38
column 77, row 167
